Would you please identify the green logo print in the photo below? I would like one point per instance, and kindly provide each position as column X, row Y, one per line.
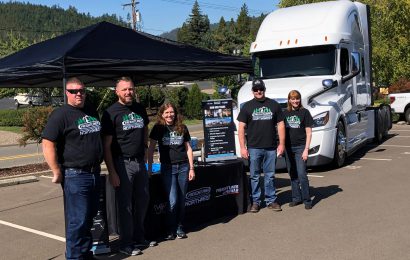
column 132, row 121
column 262, row 113
column 88, row 124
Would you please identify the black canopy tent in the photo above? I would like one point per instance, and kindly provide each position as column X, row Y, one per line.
column 102, row 52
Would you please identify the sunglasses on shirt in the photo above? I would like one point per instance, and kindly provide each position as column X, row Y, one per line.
column 76, row 91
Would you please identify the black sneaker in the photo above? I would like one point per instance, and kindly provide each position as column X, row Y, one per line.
column 294, row 203
column 308, row 206
column 170, row 236
column 181, row 234
column 130, row 250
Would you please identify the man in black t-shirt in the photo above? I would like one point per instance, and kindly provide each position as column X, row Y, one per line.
column 125, row 129
column 259, row 118
column 73, row 150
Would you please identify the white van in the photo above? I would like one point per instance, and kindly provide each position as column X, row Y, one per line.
column 323, row 50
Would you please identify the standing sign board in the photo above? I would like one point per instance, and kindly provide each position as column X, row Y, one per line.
column 218, row 130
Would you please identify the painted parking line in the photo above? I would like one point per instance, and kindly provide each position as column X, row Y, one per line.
column 372, row 159
column 315, row 176
column 4, row 158
column 402, row 136
column 388, row 145
column 37, row 232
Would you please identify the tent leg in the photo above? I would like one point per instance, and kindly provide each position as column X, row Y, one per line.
column 64, row 95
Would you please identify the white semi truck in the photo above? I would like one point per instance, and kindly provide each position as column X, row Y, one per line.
column 323, row 50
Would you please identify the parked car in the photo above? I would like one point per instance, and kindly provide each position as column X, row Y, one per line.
column 400, row 104
column 37, row 99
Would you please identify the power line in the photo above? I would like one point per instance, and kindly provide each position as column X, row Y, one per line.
column 215, row 6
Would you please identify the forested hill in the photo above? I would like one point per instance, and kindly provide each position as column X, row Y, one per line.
column 38, row 22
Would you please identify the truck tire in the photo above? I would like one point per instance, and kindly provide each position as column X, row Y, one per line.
column 407, row 115
column 17, row 104
column 378, row 137
column 386, row 120
column 340, row 146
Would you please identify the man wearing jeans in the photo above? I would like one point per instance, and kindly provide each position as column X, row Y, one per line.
column 259, row 118
column 73, row 150
column 125, row 129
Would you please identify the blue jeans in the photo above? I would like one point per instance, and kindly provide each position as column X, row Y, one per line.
column 298, row 175
column 132, row 197
column 262, row 160
column 175, row 178
column 81, row 197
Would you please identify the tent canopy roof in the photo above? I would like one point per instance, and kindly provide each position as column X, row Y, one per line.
column 102, row 52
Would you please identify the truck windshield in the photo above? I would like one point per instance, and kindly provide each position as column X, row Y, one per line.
column 297, row 62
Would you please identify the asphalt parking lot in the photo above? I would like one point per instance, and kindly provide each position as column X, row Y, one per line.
column 361, row 211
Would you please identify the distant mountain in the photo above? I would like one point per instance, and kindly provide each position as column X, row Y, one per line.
column 39, row 22
column 171, row 35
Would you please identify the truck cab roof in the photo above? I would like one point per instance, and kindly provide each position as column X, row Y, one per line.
column 325, row 23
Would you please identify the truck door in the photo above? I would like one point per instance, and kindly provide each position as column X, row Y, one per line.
column 349, row 89
column 361, row 94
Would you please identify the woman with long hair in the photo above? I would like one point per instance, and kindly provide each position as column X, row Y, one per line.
column 298, row 122
column 177, row 166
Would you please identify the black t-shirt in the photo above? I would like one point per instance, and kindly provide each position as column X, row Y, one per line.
column 296, row 122
column 126, row 125
column 171, row 143
column 261, row 118
column 77, row 134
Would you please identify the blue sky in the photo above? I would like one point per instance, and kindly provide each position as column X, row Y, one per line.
column 159, row 16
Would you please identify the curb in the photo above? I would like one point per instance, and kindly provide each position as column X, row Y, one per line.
column 18, row 180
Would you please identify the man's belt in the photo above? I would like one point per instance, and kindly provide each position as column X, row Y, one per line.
column 91, row 168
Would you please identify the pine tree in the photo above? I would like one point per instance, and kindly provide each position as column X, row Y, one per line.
column 193, row 105
column 195, row 28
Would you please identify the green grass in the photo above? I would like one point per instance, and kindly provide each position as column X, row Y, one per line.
column 14, row 129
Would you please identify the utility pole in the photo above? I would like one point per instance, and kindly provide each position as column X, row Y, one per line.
column 136, row 17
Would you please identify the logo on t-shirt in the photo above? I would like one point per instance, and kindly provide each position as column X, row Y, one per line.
column 173, row 138
column 132, row 121
column 262, row 113
column 292, row 122
column 88, row 125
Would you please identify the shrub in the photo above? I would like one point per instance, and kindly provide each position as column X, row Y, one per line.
column 401, row 86
column 12, row 117
column 35, row 120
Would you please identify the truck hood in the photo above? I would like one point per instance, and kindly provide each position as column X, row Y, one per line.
column 278, row 89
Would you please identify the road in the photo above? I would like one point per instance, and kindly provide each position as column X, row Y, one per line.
column 14, row 155
column 360, row 212
column 11, row 156
column 7, row 103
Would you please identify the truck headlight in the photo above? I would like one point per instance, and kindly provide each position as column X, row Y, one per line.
column 321, row 120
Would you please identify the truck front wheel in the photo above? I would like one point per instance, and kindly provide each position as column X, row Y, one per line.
column 340, row 146
column 407, row 115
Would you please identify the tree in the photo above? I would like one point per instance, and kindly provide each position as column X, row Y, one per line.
column 243, row 22
column 194, row 29
column 193, row 108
